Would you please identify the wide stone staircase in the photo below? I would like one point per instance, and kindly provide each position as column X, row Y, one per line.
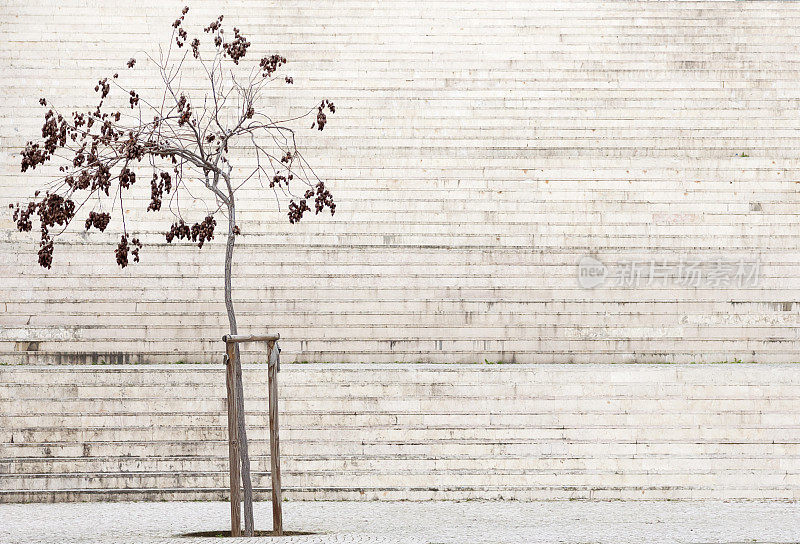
column 480, row 152
column 406, row 431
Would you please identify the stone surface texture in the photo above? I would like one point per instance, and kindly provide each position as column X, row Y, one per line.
column 479, row 152
column 564, row 522
column 406, row 431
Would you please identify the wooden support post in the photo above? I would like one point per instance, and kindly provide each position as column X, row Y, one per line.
column 237, row 438
column 274, row 445
column 247, row 488
column 233, row 445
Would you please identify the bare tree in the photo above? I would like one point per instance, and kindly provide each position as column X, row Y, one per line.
column 181, row 141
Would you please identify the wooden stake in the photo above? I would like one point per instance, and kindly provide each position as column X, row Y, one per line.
column 247, row 488
column 274, row 445
column 250, row 337
column 233, row 446
column 237, row 432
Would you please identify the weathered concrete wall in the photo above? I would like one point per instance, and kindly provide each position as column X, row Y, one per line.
column 479, row 151
column 718, row 431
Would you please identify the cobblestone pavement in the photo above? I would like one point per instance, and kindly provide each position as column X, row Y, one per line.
column 412, row 522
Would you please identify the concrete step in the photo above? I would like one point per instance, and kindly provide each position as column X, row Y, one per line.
column 407, row 431
column 361, row 387
column 356, row 479
column 43, row 425
column 395, row 494
column 465, row 405
column 388, row 464
column 653, row 432
column 432, row 448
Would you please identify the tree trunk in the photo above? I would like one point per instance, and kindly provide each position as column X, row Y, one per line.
column 247, row 488
column 234, row 460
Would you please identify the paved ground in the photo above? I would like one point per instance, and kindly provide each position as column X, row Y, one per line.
column 413, row 522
